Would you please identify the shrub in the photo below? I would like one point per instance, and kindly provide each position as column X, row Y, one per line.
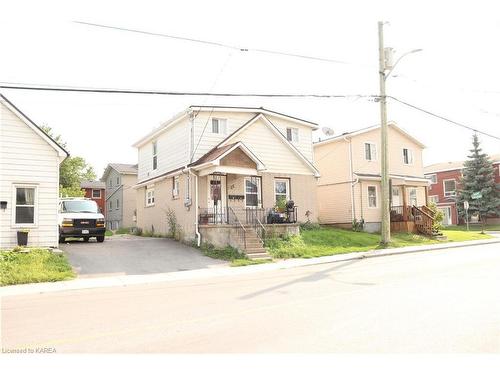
column 226, row 253
column 123, row 231
column 309, row 226
column 137, row 231
column 437, row 224
column 172, row 223
column 358, row 226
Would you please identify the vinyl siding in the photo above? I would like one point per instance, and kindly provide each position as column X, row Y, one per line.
column 272, row 151
column 333, row 206
column 127, row 197
column 173, row 150
column 26, row 158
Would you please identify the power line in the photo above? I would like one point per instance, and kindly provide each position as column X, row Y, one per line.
column 443, row 118
column 43, row 87
column 223, row 45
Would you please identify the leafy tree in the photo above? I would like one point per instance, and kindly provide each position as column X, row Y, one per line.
column 478, row 176
column 72, row 171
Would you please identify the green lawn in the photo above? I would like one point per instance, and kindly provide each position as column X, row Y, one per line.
column 473, row 227
column 37, row 266
column 330, row 241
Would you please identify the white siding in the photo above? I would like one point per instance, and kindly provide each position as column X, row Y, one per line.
column 172, row 148
column 272, row 151
column 26, row 158
column 203, row 127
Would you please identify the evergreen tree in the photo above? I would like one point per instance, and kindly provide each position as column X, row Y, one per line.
column 478, row 176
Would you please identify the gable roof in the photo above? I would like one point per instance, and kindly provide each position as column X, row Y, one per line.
column 354, row 133
column 120, row 168
column 47, row 138
column 454, row 165
column 205, row 108
column 276, row 131
column 218, row 153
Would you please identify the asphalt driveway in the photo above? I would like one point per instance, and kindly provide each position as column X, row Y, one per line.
column 131, row 255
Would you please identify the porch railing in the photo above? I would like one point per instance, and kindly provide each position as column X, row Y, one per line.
column 401, row 213
column 228, row 215
column 241, row 232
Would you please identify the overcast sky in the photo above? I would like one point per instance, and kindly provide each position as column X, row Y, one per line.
column 456, row 75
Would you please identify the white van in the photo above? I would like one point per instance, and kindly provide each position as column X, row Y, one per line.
column 80, row 218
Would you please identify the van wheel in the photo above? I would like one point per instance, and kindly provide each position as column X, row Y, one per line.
column 86, row 239
column 100, row 238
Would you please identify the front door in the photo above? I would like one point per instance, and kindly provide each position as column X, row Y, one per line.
column 217, row 197
column 396, row 196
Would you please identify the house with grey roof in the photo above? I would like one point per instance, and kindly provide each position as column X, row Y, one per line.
column 120, row 196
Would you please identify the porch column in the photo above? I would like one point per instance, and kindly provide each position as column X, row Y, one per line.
column 405, row 213
column 426, row 195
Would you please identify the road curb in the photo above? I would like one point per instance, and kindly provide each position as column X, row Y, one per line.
column 129, row 280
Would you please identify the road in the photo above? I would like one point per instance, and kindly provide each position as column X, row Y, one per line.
column 440, row 302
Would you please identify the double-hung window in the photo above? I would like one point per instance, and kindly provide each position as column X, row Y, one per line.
column 25, row 205
column 155, row 155
column 96, row 193
column 118, row 181
column 370, row 151
column 117, row 204
column 110, row 204
column 413, row 196
column 450, row 187
column 292, row 134
column 407, row 156
column 150, row 197
column 372, row 196
column 252, row 192
column 219, row 126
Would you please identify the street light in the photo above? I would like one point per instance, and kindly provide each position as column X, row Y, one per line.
column 385, row 65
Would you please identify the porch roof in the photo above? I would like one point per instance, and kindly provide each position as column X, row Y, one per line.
column 407, row 180
column 211, row 160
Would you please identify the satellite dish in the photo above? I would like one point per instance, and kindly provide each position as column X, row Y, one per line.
column 327, row 131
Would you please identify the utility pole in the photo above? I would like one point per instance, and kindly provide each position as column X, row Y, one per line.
column 386, row 224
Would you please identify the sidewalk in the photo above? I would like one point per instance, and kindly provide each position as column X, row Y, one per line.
column 115, row 281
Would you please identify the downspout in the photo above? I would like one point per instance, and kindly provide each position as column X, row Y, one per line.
column 196, row 228
column 353, row 182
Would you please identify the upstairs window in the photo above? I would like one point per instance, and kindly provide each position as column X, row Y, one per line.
column 432, row 178
column 219, row 126
column 175, row 187
column 450, row 187
column 407, row 156
column 155, row 155
column 96, row 193
column 110, row 204
column 117, row 204
column 110, row 183
column 292, row 134
column 370, row 151
column 117, row 181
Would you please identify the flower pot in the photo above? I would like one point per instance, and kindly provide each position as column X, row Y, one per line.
column 22, row 238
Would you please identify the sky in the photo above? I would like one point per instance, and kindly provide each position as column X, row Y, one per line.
column 455, row 75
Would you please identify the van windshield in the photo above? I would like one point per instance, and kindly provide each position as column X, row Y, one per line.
column 80, row 206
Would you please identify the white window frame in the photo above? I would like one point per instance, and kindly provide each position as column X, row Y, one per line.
column 35, row 206
column 258, row 193
column 434, row 199
column 99, row 190
column 221, row 127
column 410, row 190
column 433, row 178
column 373, row 151
column 117, row 204
column 154, row 152
column 444, row 188
column 150, row 197
column 176, row 187
column 287, row 194
column 409, row 153
column 292, row 135
column 368, row 196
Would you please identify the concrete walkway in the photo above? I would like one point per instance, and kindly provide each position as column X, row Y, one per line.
column 103, row 282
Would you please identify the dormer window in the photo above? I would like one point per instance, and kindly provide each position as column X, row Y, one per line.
column 292, row 134
column 219, row 126
column 155, row 155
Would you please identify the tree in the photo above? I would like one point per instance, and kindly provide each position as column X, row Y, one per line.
column 72, row 171
column 478, row 176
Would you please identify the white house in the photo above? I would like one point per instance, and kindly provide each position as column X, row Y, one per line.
column 29, row 179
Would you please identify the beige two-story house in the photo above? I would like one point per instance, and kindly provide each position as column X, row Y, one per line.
column 221, row 172
column 349, row 187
